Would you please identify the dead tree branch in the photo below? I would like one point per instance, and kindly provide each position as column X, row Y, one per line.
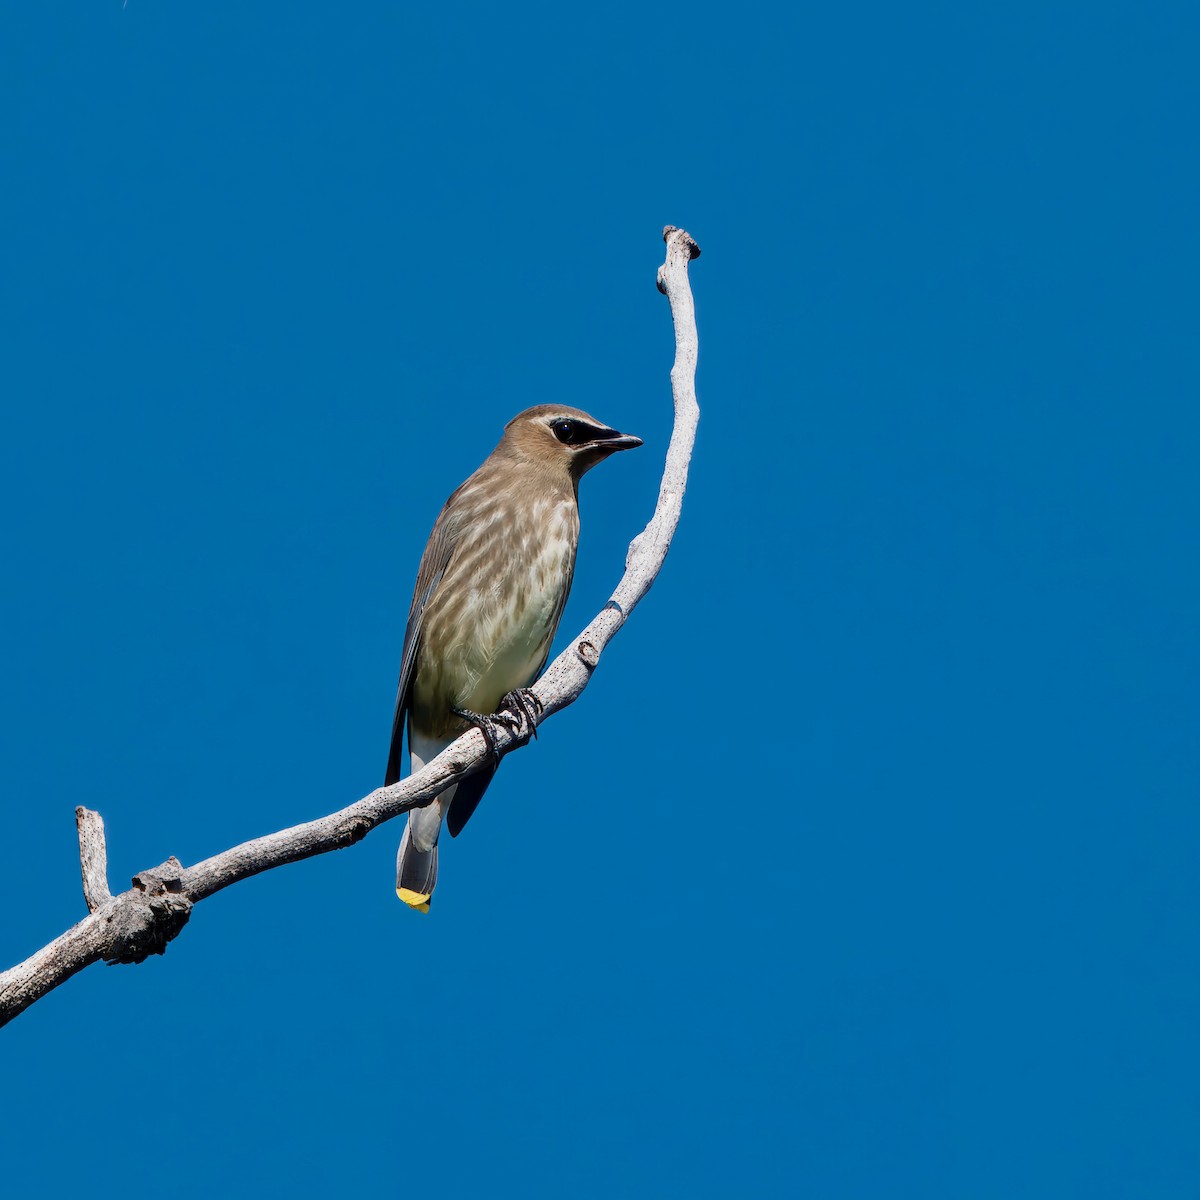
column 129, row 927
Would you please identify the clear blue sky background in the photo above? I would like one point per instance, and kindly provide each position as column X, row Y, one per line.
column 867, row 865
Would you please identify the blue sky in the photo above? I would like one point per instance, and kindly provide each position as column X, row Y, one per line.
column 867, row 864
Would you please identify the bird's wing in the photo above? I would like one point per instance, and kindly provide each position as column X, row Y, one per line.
column 429, row 575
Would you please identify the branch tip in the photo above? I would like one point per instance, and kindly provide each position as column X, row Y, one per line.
column 684, row 237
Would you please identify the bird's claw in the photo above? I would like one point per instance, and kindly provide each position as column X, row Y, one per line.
column 486, row 724
column 520, row 709
column 518, row 714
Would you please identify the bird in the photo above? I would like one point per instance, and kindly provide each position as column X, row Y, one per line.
column 490, row 590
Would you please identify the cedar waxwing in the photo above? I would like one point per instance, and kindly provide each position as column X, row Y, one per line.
column 490, row 589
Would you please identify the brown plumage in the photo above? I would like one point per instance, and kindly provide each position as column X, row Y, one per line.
column 490, row 590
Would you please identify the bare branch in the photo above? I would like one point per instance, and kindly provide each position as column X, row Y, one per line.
column 567, row 675
column 129, row 927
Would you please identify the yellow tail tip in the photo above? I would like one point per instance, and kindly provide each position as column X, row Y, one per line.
column 417, row 900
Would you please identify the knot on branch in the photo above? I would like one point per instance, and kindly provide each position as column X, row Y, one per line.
column 166, row 877
column 144, row 924
column 354, row 830
column 148, row 917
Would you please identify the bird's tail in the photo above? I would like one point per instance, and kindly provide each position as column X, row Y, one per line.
column 417, row 858
column 416, row 872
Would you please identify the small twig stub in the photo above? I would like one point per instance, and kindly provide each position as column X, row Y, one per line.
column 93, row 857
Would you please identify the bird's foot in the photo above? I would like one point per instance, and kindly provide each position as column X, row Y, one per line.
column 487, row 724
column 521, row 710
column 518, row 715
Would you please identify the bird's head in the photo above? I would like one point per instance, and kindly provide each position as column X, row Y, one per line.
column 560, row 438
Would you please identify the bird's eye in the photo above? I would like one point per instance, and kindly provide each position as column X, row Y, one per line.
column 567, row 432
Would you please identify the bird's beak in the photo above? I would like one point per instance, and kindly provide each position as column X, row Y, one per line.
column 610, row 441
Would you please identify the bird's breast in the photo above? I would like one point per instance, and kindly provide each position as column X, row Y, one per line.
column 489, row 625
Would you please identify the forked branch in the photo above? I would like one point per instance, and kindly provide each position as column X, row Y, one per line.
column 129, row 927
